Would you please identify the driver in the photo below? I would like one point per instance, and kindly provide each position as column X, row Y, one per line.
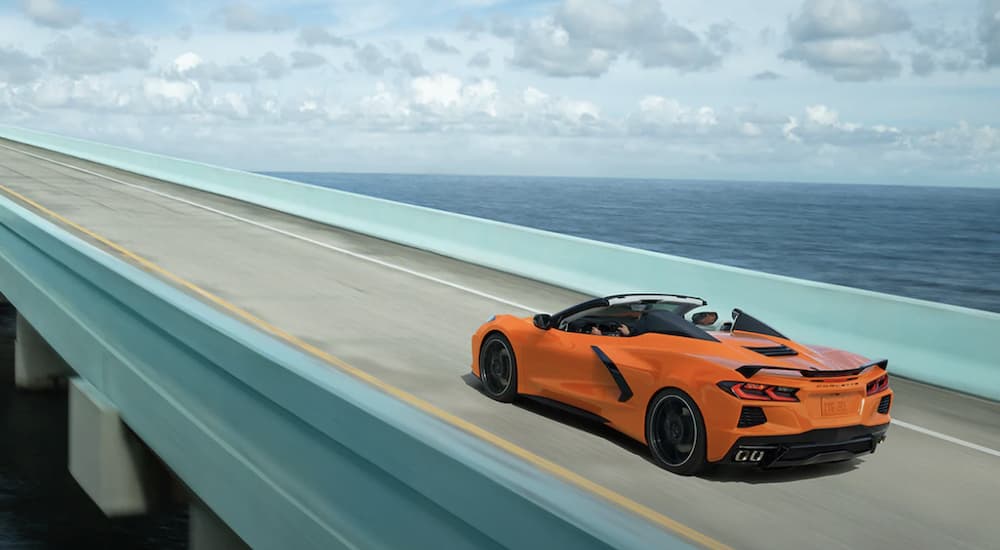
column 704, row 319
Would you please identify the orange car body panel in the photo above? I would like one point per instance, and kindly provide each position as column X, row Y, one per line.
column 562, row 366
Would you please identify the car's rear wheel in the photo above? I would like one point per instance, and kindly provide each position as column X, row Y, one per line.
column 498, row 368
column 675, row 432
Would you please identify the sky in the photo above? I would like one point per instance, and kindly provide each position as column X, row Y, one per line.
column 853, row 91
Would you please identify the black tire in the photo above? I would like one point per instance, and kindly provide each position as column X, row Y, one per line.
column 498, row 368
column 675, row 432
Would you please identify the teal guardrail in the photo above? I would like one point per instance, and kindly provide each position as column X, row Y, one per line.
column 940, row 344
column 288, row 451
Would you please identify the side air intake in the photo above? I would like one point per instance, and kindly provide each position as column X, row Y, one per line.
column 751, row 416
column 883, row 405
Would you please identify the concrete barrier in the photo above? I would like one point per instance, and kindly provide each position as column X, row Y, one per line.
column 945, row 345
column 288, row 451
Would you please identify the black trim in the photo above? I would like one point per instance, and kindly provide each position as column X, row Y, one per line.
column 671, row 324
column 626, row 392
column 749, row 370
column 812, row 447
column 773, row 351
column 748, row 323
column 576, row 411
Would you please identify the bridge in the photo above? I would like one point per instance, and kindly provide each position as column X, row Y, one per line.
column 293, row 361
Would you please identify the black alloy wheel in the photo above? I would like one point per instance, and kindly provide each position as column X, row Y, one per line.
column 675, row 432
column 498, row 368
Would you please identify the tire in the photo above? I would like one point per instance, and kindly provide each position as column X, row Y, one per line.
column 675, row 433
column 498, row 368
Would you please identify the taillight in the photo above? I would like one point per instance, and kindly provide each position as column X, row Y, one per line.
column 759, row 392
column 878, row 385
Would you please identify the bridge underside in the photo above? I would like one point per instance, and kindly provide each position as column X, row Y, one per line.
column 346, row 294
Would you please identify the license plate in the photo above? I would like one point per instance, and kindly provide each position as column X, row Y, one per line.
column 835, row 406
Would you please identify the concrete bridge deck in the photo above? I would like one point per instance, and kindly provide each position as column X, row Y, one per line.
column 405, row 316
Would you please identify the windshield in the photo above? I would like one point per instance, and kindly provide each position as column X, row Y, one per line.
column 630, row 311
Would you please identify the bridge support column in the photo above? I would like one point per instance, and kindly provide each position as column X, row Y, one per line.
column 36, row 364
column 111, row 464
column 208, row 532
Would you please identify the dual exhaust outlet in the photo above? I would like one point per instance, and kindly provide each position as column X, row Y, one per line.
column 749, row 455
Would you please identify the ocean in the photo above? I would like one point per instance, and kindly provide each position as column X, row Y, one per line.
column 932, row 243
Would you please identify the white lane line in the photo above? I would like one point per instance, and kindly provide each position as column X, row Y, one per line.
column 289, row 234
column 947, row 438
column 424, row 276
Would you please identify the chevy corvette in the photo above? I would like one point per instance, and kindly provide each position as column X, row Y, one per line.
column 694, row 393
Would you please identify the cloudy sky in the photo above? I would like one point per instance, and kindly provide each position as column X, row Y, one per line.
column 869, row 91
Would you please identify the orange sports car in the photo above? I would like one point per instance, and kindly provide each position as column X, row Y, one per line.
column 739, row 393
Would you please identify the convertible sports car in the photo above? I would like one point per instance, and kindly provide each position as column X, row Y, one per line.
column 742, row 395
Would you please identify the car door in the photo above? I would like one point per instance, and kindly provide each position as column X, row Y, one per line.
column 569, row 370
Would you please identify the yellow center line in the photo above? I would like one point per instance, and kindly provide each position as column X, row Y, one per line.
column 544, row 464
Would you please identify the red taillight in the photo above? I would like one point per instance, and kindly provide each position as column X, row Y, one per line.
column 878, row 385
column 778, row 394
column 759, row 392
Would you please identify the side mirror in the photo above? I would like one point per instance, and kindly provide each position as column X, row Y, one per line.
column 542, row 320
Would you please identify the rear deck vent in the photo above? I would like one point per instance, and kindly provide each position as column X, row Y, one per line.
column 883, row 405
column 773, row 351
column 751, row 416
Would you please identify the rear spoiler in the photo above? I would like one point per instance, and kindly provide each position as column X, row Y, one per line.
column 749, row 370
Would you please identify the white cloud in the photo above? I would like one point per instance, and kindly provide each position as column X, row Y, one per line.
column 545, row 47
column 186, row 62
column 169, row 93
column 823, row 125
column 89, row 93
column 658, row 115
column 231, row 105
column 584, row 37
column 825, row 116
column 51, row 13
column 270, row 65
column 384, row 108
column 440, row 89
column 848, row 59
column 840, row 38
column 976, row 144
column 826, row 19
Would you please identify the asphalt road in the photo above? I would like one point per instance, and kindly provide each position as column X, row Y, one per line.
column 411, row 330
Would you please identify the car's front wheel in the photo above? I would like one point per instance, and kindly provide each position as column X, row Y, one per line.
column 675, row 432
column 498, row 368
